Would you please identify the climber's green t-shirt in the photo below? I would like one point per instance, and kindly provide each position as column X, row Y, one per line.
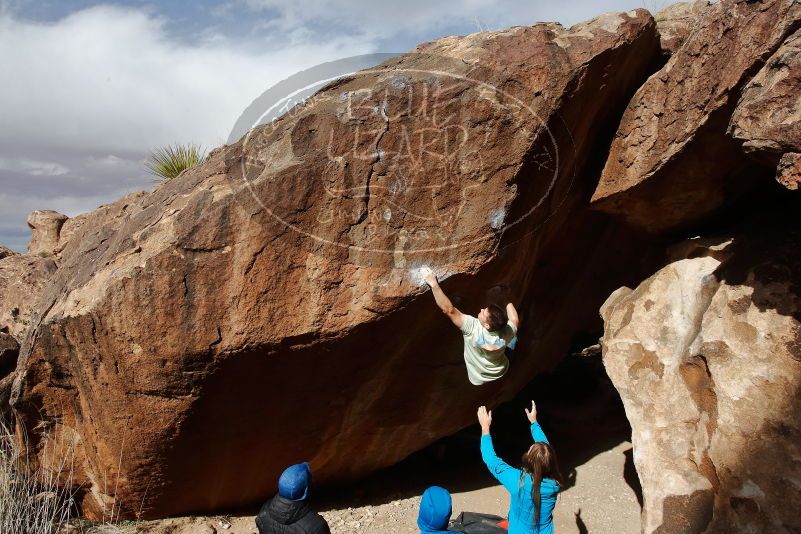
column 485, row 365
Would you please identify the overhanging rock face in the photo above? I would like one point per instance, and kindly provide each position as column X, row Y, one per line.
column 265, row 307
column 671, row 162
column 767, row 119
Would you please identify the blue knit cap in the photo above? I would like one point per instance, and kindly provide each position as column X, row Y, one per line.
column 294, row 482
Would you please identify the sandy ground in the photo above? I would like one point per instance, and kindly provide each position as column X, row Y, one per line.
column 600, row 501
column 583, row 418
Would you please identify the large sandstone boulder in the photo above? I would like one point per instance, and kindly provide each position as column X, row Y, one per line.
column 767, row 119
column 266, row 307
column 105, row 215
column 22, row 278
column 45, row 228
column 671, row 162
column 706, row 355
column 675, row 23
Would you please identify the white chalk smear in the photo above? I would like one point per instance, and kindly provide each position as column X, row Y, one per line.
column 416, row 275
column 399, row 82
column 497, row 217
column 418, row 272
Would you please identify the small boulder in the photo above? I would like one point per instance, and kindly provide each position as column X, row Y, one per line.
column 6, row 252
column 22, row 278
column 766, row 120
column 45, row 228
column 788, row 172
column 675, row 23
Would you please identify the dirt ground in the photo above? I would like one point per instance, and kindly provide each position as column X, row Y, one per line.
column 579, row 411
column 600, row 501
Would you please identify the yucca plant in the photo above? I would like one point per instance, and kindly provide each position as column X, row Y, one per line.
column 170, row 161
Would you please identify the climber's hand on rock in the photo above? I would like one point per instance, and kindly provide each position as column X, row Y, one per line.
column 531, row 414
column 484, row 419
column 429, row 276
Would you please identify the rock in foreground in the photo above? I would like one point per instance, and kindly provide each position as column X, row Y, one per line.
column 706, row 355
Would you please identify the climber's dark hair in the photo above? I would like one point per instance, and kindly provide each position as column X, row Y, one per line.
column 496, row 317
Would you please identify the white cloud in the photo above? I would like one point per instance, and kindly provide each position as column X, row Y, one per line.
column 112, row 78
column 32, row 167
column 110, row 161
column 86, row 97
column 384, row 20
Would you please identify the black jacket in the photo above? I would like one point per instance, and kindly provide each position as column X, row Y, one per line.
column 282, row 516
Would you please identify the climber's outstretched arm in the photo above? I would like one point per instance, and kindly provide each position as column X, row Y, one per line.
column 511, row 313
column 442, row 299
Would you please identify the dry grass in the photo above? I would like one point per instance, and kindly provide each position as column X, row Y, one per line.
column 42, row 500
column 33, row 502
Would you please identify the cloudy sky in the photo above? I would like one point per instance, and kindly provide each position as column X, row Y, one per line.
column 90, row 87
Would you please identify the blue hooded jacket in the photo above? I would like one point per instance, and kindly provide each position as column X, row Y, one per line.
column 435, row 510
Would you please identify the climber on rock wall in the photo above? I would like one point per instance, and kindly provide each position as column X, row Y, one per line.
column 486, row 336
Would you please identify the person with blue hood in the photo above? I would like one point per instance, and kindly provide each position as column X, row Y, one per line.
column 289, row 512
column 435, row 510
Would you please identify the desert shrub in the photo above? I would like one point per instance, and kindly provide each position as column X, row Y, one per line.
column 170, row 161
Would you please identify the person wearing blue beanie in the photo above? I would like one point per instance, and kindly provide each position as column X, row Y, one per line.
column 435, row 510
column 289, row 512
column 294, row 482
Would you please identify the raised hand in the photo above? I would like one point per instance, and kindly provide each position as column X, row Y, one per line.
column 531, row 414
column 429, row 276
column 484, row 419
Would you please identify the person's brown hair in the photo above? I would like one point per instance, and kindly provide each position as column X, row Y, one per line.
column 539, row 461
column 496, row 317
